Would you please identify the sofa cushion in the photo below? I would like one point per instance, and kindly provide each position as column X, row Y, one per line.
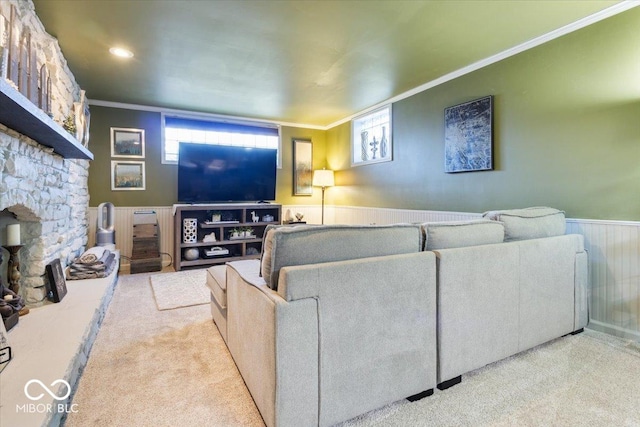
column 458, row 234
column 529, row 223
column 264, row 240
column 300, row 245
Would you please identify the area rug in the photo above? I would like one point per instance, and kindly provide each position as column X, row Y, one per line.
column 180, row 289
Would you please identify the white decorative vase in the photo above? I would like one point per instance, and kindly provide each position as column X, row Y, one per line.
column 189, row 230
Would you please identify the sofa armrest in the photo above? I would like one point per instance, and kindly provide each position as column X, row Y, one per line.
column 275, row 347
column 376, row 322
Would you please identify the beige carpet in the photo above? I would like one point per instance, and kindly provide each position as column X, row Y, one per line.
column 159, row 368
column 180, row 289
column 168, row 368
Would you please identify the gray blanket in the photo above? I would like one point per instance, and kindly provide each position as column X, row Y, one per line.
column 90, row 266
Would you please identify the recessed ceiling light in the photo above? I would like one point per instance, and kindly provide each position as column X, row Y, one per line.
column 120, row 52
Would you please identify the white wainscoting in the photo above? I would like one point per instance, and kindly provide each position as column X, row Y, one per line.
column 123, row 223
column 614, row 260
column 614, row 252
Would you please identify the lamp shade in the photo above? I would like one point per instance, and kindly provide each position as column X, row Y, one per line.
column 323, row 178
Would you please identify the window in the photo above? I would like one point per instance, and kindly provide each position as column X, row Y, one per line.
column 243, row 134
column 371, row 137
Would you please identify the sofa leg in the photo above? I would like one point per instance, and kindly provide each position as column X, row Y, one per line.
column 578, row 331
column 450, row 383
column 419, row 396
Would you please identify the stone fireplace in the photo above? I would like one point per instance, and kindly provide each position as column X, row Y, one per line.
column 48, row 196
column 45, row 192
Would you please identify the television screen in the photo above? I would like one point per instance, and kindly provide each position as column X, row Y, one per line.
column 219, row 173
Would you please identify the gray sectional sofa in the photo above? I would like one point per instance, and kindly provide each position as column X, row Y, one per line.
column 335, row 321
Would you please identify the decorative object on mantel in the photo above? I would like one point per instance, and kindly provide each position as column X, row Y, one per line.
column 4, row 49
column 14, row 48
column 69, row 124
column 468, row 136
column 57, row 285
column 322, row 178
column 82, row 119
column 4, row 61
column 44, row 100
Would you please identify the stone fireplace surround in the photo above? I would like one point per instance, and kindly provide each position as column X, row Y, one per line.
column 49, row 198
column 46, row 193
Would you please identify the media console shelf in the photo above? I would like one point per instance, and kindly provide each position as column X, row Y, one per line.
column 194, row 229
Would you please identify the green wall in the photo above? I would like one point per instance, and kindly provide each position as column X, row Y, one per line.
column 162, row 180
column 566, row 134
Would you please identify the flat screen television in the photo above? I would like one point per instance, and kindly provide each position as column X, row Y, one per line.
column 219, row 173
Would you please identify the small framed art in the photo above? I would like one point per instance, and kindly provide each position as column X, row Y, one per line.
column 57, row 285
column 127, row 142
column 127, row 175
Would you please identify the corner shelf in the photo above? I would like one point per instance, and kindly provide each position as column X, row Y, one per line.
column 238, row 248
column 21, row 115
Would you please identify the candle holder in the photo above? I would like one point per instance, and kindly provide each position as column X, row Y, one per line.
column 13, row 270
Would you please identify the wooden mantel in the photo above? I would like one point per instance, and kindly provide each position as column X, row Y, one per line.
column 21, row 115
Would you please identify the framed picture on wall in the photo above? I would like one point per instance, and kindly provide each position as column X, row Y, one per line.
column 127, row 142
column 371, row 140
column 302, row 167
column 127, row 175
column 468, row 136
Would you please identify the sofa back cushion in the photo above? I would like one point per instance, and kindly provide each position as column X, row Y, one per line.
column 458, row 234
column 301, row 245
column 529, row 223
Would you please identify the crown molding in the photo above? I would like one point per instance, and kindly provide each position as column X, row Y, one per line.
column 569, row 28
column 191, row 113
